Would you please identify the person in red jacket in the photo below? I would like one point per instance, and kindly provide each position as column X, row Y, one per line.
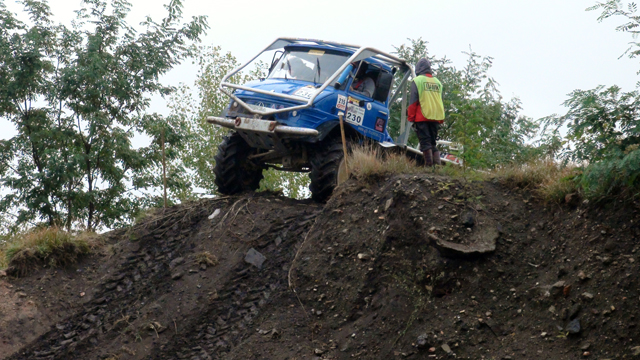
column 426, row 110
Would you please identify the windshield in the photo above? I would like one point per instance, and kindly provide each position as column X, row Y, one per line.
column 311, row 65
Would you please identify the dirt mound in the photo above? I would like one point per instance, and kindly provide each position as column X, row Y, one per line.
column 413, row 266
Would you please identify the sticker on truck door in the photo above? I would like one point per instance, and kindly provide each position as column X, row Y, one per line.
column 355, row 114
column 342, row 103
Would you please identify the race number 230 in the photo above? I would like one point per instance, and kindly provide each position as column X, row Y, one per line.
column 355, row 114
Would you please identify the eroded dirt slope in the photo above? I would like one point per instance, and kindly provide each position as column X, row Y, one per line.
column 369, row 275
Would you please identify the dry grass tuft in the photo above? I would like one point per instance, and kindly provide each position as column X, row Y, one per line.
column 550, row 180
column 368, row 161
column 47, row 246
column 3, row 258
column 206, row 258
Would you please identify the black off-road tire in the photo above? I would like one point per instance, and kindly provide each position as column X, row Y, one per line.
column 234, row 171
column 325, row 164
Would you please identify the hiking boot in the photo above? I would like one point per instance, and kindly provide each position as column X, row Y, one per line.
column 428, row 157
column 436, row 158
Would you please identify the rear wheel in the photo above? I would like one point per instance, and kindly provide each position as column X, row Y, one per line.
column 328, row 169
column 234, row 171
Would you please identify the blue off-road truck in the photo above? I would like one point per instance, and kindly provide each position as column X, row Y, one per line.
column 290, row 120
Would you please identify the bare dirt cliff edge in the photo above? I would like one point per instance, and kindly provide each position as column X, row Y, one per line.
column 410, row 266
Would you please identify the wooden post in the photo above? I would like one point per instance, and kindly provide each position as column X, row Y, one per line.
column 164, row 170
column 344, row 144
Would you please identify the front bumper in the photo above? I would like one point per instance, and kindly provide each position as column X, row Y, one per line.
column 261, row 126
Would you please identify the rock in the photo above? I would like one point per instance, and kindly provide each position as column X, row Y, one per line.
column 388, row 204
column 575, row 309
column 585, row 346
column 278, row 241
column 574, row 327
column 421, row 343
column 446, row 348
column 215, row 213
column 468, row 219
column 605, row 259
column 635, row 350
column 177, row 275
column 66, row 342
column 364, row 256
column 587, row 295
column 175, row 262
column 483, row 241
column 318, row 352
column 254, row 258
column 582, row 276
column 21, row 295
column 3, row 273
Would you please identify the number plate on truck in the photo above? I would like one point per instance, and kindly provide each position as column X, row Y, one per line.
column 256, row 125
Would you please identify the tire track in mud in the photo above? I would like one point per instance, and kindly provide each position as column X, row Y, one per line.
column 230, row 316
column 144, row 273
column 141, row 274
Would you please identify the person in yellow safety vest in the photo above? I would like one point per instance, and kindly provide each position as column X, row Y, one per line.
column 426, row 110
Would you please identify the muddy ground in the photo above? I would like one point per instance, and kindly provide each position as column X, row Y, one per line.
column 411, row 266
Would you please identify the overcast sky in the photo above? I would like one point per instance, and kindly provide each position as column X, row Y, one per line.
column 542, row 49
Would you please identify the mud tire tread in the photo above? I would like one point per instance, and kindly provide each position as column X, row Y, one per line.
column 325, row 163
column 233, row 172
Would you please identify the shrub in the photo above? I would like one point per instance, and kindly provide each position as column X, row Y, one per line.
column 613, row 177
column 550, row 180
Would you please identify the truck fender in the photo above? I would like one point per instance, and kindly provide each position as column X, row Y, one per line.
column 333, row 126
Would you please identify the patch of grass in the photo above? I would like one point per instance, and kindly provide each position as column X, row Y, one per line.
column 3, row 259
column 47, row 246
column 548, row 179
column 368, row 161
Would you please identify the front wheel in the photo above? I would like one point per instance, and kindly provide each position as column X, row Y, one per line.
column 328, row 169
column 234, row 171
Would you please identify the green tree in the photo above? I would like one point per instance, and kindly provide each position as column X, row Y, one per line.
column 603, row 133
column 602, row 125
column 77, row 97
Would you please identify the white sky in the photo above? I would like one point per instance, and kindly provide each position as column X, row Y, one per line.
column 542, row 49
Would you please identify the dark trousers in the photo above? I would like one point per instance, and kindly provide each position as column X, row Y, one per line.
column 427, row 134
